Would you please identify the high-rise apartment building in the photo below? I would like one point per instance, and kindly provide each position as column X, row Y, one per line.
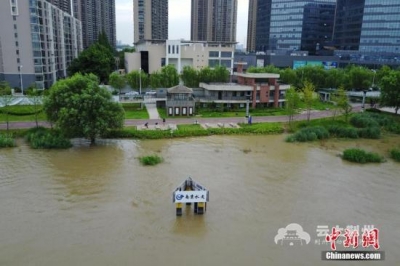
column 38, row 41
column 96, row 16
column 290, row 24
column 150, row 20
column 64, row 5
column 214, row 20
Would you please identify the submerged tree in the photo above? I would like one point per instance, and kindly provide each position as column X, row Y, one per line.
column 79, row 107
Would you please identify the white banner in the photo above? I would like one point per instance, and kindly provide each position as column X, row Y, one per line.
column 190, row 196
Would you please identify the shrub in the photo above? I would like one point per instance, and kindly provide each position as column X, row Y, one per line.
column 343, row 132
column 369, row 133
column 309, row 134
column 362, row 120
column 6, row 141
column 150, row 160
column 361, row 156
column 395, row 154
column 43, row 138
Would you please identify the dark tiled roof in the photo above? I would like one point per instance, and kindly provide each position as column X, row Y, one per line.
column 180, row 89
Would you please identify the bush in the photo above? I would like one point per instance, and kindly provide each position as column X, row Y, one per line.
column 150, row 160
column 343, row 132
column 369, row 133
column 395, row 154
column 43, row 138
column 309, row 134
column 362, row 121
column 6, row 141
column 361, row 156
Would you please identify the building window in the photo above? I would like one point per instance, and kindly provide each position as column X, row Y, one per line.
column 16, row 44
column 16, row 35
column 169, row 49
column 213, row 54
column 226, row 54
column 173, row 49
column 176, row 110
column 213, row 62
column 17, row 52
column 18, row 60
column 177, row 49
column 15, row 26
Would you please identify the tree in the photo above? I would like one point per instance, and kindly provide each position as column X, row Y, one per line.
column 292, row 103
column 137, row 79
column 155, row 80
column 97, row 59
column 190, row 77
column 221, row 74
column 35, row 96
column 206, row 75
column 342, row 102
column 6, row 99
column 308, row 97
column 103, row 40
column 315, row 74
column 79, row 107
column 390, row 90
column 334, row 78
column 117, row 81
column 358, row 78
column 170, row 76
column 121, row 56
column 288, row 76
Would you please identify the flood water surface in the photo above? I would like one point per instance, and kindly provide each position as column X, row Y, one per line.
column 99, row 206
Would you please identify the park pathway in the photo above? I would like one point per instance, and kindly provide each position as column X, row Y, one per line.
column 192, row 120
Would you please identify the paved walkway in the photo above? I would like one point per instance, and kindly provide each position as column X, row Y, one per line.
column 152, row 111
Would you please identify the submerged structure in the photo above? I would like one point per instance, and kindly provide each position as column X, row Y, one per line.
column 190, row 192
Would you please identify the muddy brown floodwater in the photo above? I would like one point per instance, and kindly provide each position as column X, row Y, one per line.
column 99, row 206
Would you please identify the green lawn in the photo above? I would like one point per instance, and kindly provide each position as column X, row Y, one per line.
column 133, row 111
column 21, row 113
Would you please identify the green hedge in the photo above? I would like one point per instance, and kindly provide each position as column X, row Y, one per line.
column 6, row 141
column 361, row 156
column 43, row 138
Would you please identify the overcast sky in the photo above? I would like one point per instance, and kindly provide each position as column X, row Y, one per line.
column 179, row 20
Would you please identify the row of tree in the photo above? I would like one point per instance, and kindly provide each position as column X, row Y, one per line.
column 351, row 77
column 168, row 77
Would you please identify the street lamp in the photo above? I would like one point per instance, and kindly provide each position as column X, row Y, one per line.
column 363, row 100
column 140, row 81
column 373, row 79
column 20, row 77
